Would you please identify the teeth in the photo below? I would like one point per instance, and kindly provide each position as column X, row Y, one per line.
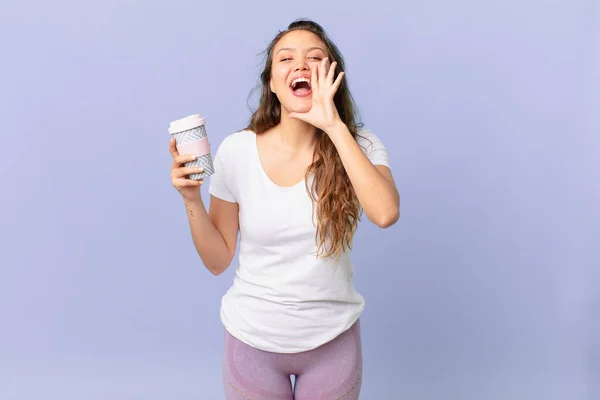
column 295, row 81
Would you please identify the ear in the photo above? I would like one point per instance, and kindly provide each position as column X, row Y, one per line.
column 271, row 85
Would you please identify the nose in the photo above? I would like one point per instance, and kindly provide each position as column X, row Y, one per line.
column 301, row 66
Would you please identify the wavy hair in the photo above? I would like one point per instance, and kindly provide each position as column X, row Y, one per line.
column 337, row 207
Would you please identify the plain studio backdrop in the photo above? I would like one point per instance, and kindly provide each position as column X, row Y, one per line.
column 485, row 289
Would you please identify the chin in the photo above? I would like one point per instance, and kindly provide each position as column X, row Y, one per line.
column 301, row 109
column 299, row 106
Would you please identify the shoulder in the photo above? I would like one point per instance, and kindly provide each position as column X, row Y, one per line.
column 235, row 146
column 230, row 159
column 373, row 147
column 368, row 140
column 236, row 141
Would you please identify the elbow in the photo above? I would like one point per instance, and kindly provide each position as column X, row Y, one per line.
column 217, row 265
column 216, row 271
column 389, row 214
column 388, row 219
column 217, row 268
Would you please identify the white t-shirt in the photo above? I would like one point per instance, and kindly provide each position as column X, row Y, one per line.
column 284, row 299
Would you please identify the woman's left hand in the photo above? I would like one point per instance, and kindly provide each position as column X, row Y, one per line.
column 323, row 113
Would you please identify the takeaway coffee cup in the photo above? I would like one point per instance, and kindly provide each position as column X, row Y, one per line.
column 191, row 138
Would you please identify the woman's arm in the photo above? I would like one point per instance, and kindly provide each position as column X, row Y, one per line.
column 374, row 184
column 214, row 233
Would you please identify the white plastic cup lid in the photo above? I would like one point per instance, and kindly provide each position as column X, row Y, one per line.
column 187, row 123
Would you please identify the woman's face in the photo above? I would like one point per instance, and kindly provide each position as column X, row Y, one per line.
column 294, row 57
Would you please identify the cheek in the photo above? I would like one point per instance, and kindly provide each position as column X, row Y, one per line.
column 279, row 79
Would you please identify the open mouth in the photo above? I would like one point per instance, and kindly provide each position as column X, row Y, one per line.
column 301, row 87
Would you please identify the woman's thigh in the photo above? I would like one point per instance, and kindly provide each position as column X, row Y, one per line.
column 334, row 371
column 253, row 374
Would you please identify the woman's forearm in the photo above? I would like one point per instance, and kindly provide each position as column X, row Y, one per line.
column 208, row 241
column 377, row 193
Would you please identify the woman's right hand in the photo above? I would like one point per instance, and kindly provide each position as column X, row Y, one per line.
column 188, row 188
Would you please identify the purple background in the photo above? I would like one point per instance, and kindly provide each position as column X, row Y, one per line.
column 487, row 287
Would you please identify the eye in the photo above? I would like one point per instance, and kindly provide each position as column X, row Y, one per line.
column 316, row 58
column 285, row 59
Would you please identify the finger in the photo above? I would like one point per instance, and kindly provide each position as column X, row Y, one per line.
column 314, row 80
column 331, row 73
column 337, row 82
column 173, row 147
column 179, row 160
column 185, row 171
column 323, row 72
column 181, row 183
column 183, row 158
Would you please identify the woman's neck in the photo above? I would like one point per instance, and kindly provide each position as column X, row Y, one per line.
column 294, row 134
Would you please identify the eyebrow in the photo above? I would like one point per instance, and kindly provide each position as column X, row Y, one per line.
column 309, row 49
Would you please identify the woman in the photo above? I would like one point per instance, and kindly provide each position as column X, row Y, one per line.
column 293, row 183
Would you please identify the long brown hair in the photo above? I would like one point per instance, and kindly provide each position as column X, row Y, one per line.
column 338, row 208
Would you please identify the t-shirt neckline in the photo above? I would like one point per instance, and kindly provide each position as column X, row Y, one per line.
column 264, row 174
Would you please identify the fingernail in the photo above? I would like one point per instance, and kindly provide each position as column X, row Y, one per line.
column 192, row 157
column 200, row 169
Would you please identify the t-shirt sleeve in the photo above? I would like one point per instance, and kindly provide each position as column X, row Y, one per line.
column 373, row 148
column 221, row 182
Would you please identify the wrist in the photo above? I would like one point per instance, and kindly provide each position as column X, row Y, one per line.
column 193, row 202
column 336, row 130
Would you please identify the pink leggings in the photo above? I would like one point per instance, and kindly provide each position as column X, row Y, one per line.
column 329, row 372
